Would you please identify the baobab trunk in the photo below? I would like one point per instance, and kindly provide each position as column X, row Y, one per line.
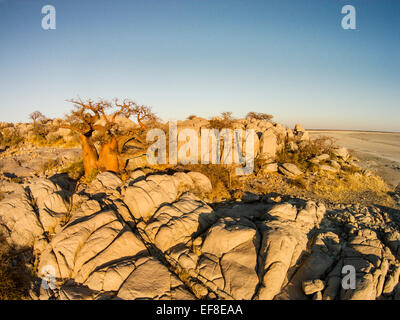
column 108, row 156
column 85, row 120
column 89, row 155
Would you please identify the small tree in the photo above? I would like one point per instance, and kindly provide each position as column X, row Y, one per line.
column 35, row 116
column 89, row 117
column 225, row 121
column 259, row 116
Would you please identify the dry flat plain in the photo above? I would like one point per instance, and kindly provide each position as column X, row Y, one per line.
column 379, row 151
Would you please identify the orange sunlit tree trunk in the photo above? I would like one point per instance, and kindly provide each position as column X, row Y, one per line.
column 95, row 121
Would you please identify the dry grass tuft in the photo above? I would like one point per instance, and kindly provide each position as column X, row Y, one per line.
column 223, row 180
column 306, row 151
column 50, row 165
column 75, row 171
column 350, row 188
column 10, row 138
column 300, row 183
column 90, row 177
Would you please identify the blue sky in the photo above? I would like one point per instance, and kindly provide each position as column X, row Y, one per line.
column 288, row 58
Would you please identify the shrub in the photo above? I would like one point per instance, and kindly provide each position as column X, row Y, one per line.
column 91, row 176
column 315, row 147
column 50, row 165
column 75, row 170
column 306, row 151
column 10, row 138
column 349, row 188
column 40, row 132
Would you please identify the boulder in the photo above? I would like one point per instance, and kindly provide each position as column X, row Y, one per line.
column 303, row 136
column 392, row 280
column 51, row 203
column 85, row 244
column 299, row 128
column 137, row 161
column 151, row 280
column 285, row 211
column 290, row 170
column 137, row 175
column 26, row 214
column 311, row 214
column 318, row 159
column 335, row 164
column 145, row 196
column 313, row 286
column 229, row 255
column 201, row 183
column 268, row 145
column 324, row 250
column 300, row 133
column 290, row 135
column 365, row 252
column 18, row 220
column 11, row 167
column 280, row 131
column 341, row 153
column 292, row 146
column 282, row 245
column 107, row 180
column 178, row 222
column 325, row 167
column 269, row 168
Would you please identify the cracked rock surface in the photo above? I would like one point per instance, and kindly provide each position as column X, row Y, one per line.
column 153, row 237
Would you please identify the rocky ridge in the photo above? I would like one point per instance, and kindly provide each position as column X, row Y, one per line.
column 156, row 235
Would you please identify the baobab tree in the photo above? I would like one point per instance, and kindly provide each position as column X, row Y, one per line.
column 95, row 121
